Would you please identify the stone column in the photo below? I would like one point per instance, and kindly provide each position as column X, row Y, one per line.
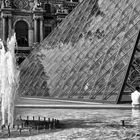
column 41, row 29
column 10, row 26
column 35, row 30
column 4, row 28
column 30, row 37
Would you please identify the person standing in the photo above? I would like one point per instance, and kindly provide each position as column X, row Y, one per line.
column 135, row 97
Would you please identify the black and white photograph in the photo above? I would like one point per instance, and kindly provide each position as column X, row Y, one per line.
column 69, row 69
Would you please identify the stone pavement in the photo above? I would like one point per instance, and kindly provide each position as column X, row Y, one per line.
column 64, row 104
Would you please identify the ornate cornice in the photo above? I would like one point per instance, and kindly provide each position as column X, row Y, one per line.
column 38, row 17
column 6, row 15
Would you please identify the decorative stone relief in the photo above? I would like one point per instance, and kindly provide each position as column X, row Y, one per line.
column 21, row 4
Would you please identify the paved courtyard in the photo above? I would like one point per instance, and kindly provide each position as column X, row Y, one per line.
column 54, row 103
column 93, row 122
column 87, row 124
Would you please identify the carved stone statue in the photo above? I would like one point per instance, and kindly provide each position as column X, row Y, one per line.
column 7, row 3
column 37, row 5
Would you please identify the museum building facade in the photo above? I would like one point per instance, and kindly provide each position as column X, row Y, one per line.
column 32, row 20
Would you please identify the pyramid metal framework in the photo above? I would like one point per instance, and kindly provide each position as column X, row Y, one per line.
column 92, row 55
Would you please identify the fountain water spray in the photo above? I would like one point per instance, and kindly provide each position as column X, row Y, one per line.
column 9, row 78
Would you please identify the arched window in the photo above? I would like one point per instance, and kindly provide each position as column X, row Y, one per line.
column 21, row 29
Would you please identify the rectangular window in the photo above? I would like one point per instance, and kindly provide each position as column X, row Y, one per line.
column 47, row 31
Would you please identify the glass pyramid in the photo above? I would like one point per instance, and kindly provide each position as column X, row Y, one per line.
column 92, row 55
